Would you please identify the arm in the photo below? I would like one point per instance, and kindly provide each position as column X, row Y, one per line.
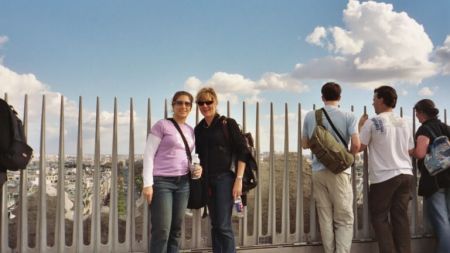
column 364, row 132
column 421, row 147
column 355, row 144
column 305, row 143
column 237, row 187
column 147, row 173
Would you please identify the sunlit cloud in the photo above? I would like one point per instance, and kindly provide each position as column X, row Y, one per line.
column 232, row 87
column 442, row 56
column 426, row 92
column 374, row 46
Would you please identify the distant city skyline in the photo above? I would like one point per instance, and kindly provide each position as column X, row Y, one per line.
column 273, row 51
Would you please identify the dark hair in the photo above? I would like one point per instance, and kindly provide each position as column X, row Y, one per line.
column 331, row 91
column 182, row 93
column 427, row 107
column 388, row 94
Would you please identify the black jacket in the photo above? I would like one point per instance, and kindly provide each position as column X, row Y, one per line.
column 214, row 149
column 430, row 184
column 5, row 135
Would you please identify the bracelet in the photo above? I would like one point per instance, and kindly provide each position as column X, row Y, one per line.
column 239, row 177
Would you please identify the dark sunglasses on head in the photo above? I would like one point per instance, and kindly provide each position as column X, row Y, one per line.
column 200, row 103
column 180, row 103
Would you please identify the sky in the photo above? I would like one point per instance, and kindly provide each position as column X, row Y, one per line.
column 278, row 52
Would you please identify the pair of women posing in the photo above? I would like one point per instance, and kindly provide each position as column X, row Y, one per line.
column 166, row 180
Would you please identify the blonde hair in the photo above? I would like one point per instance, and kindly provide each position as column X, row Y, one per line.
column 206, row 91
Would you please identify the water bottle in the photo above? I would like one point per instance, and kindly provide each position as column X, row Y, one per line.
column 195, row 163
column 238, row 209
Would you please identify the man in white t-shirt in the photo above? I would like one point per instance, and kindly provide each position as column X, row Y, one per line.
column 389, row 140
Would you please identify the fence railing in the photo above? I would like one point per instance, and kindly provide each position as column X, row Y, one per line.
column 98, row 207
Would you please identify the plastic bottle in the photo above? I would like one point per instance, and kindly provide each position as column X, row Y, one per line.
column 238, row 208
column 195, row 162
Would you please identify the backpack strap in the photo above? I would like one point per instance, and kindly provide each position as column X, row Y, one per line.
column 186, row 146
column 331, row 124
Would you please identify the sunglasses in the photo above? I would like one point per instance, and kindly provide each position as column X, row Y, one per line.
column 185, row 103
column 201, row 103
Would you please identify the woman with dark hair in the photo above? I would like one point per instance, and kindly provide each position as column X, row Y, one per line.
column 434, row 189
column 166, row 175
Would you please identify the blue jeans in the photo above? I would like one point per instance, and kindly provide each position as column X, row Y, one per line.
column 220, row 205
column 438, row 209
column 170, row 197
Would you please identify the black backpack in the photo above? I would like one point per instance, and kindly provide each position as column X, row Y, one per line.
column 19, row 154
column 250, row 177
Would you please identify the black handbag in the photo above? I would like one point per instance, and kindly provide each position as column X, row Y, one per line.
column 197, row 189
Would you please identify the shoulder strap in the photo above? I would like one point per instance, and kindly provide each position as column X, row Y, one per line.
column 186, row 146
column 319, row 117
column 334, row 128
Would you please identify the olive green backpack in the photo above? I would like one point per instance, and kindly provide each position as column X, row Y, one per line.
column 332, row 154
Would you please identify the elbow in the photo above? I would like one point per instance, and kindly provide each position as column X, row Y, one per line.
column 355, row 149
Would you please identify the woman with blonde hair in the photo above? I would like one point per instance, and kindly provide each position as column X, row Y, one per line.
column 216, row 150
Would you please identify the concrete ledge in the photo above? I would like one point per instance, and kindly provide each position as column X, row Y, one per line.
column 419, row 245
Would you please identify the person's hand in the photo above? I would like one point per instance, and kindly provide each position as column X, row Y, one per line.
column 362, row 120
column 148, row 193
column 237, row 188
column 198, row 171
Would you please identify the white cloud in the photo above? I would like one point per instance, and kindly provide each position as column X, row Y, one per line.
column 3, row 40
column 231, row 87
column 317, row 36
column 374, row 46
column 426, row 92
column 442, row 56
column 16, row 85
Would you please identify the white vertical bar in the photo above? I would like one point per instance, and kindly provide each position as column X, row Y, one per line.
column 243, row 222
column 285, row 218
column 95, row 239
column 22, row 233
column 272, row 200
column 355, row 196
column 366, row 223
column 165, row 109
column 414, row 204
column 60, row 235
column 312, row 209
column 113, row 218
column 78, row 215
column 299, row 228
column 41, row 229
column 145, row 232
column 257, row 218
column 130, row 235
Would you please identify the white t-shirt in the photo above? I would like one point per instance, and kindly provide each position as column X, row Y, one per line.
column 388, row 138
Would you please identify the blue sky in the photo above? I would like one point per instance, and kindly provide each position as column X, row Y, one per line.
column 267, row 51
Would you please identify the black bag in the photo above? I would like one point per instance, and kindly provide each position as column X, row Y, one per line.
column 250, row 177
column 197, row 189
column 19, row 153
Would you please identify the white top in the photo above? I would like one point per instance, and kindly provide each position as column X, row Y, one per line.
column 388, row 138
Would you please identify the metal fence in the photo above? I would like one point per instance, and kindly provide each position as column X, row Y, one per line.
column 280, row 210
